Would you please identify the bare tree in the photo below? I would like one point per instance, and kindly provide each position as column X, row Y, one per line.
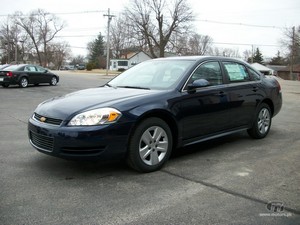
column 291, row 43
column 155, row 21
column 191, row 44
column 199, row 44
column 59, row 53
column 226, row 52
column 248, row 55
column 41, row 28
column 122, row 37
column 9, row 41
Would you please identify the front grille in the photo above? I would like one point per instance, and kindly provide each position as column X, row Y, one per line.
column 42, row 142
column 47, row 119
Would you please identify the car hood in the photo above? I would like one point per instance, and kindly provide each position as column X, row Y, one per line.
column 64, row 106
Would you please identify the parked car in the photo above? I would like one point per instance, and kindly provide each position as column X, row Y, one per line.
column 154, row 107
column 81, row 67
column 24, row 74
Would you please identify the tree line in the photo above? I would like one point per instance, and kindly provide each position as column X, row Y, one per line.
column 158, row 27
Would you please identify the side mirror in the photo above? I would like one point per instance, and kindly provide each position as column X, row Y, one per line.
column 46, row 71
column 197, row 84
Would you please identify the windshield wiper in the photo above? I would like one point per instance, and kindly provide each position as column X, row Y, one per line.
column 135, row 87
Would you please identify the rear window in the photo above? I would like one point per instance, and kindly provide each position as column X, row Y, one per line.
column 236, row 72
column 11, row 68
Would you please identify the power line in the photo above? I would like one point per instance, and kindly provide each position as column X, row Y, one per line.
column 239, row 24
column 245, row 44
column 61, row 13
column 74, row 36
column 200, row 20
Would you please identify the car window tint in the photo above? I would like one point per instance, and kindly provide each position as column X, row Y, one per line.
column 40, row 69
column 236, row 72
column 254, row 74
column 209, row 71
column 30, row 68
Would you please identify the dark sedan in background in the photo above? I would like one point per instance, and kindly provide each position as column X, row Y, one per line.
column 154, row 107
column 24, row 74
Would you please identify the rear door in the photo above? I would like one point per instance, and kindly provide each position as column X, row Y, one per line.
column 242, row 92
column 31, row 72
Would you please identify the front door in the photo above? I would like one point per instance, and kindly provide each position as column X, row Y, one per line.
column 206, row 111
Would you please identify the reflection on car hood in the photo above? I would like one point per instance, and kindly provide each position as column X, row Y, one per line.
column 64, row 106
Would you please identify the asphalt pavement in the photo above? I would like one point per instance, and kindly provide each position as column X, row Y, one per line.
column 231, row 180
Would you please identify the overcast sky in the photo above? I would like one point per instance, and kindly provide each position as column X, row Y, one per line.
column 229, row 23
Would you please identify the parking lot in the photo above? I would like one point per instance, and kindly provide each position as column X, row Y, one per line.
column 231, row 180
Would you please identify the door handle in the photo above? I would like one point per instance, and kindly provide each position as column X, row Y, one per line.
column 255, row 89
column 221, row 94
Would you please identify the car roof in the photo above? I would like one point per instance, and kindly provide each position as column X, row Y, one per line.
column 197, row 58
column 15, row 66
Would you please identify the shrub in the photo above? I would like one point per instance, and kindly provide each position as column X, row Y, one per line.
column 90, row 66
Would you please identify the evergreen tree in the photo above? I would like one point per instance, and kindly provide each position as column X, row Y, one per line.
column 278, row 60
column 258, row 58
column 96, row 52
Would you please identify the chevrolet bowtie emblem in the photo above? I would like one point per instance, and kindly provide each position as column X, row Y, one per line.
column 42, row 119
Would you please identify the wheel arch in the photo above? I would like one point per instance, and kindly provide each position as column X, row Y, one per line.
column 270, row 103
column 163, row 115
column 22, row 76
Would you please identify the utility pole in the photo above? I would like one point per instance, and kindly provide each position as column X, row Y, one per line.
column 16, row 51
column 109, row 16
column 8, row 45
column 252, row 51
column 292, row 54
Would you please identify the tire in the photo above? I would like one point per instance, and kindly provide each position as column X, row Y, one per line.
column 262, row 123
column 53, row 81
column 23, row 82
column 150, row 145
column 5, row 85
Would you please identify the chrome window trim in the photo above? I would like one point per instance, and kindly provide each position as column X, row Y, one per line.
column 212, row 60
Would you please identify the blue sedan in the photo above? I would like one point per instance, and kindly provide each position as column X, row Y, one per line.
column 154, row 107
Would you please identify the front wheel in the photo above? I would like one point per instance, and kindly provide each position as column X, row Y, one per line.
column 262, row 122
column 5, row 85
column 53, row 81
column 150, row 145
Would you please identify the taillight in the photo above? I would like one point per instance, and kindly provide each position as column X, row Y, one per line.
column 9, row 74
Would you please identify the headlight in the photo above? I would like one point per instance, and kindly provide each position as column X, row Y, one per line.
column 95, row 117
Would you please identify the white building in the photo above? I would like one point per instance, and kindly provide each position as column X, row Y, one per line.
column 128, row 60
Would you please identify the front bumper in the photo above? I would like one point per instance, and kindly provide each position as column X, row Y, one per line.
column 105, row 142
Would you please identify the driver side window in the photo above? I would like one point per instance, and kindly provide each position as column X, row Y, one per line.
column 210, row 71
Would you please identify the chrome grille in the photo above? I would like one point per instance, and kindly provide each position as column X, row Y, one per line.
column 41, row 141
column 47, row 119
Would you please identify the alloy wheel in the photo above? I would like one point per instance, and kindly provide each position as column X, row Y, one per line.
column 263, row 121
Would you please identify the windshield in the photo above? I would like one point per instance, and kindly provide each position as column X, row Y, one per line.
column 153, row 74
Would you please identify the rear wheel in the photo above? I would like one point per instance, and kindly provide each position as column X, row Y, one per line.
column 262, row 122
column 5, row 85
column 23, row 82
column 150, row 145
column 53, row 81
